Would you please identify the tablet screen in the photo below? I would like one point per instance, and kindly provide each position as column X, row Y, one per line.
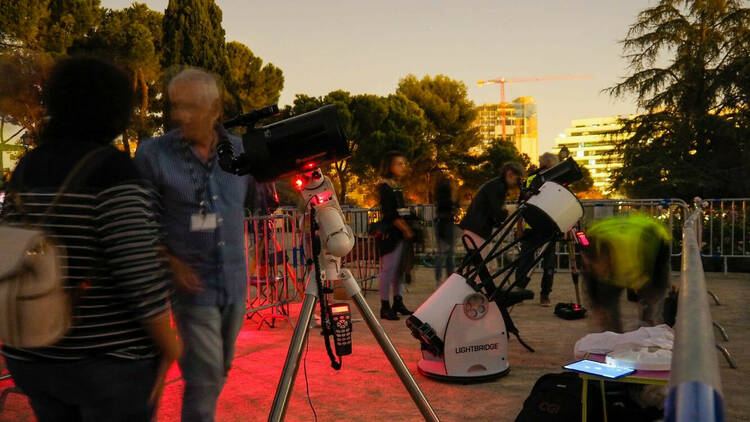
column 599, row 369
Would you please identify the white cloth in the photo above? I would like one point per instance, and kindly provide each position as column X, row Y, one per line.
column 648, row 348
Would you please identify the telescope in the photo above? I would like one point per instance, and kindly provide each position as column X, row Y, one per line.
column 300, row 146
column 291, row 146
column 464, row 326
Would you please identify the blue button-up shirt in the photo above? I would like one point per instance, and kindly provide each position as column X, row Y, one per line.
column 184, row 181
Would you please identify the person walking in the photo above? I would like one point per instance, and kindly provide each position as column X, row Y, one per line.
column 394, row 230
column 203, row 215
column 445, row 208
column 111, row 364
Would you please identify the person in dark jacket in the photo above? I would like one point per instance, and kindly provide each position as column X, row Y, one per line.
column 111, row 364
column 487, row 208
column 395, row 230
column 445, row 209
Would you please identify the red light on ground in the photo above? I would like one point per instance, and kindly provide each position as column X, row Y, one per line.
column 339, row 309
column 582, row 238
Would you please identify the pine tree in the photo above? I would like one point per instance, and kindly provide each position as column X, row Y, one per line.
column 193, row 36
column 692, row 136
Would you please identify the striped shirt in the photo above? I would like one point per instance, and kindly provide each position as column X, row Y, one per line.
column 108, row 236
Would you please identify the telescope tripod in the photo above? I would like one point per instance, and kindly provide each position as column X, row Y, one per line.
column 299, row 340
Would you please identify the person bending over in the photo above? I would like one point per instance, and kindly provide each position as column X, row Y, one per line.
column 627, row 252
column 487, row 208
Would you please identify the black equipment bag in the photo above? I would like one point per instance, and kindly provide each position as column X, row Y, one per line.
column 557, row 397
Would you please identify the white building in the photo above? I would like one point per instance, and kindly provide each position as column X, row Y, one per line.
column 590, row 142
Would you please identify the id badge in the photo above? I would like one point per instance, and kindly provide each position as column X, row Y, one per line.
column 203, row 222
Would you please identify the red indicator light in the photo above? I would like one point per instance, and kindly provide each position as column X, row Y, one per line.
column 310, row 165
column 298, row 182
column 582, row 238
column 576, row 307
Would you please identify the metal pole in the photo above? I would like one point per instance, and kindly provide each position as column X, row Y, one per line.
column 695, row 382
column 293, row 356
column 353, row 290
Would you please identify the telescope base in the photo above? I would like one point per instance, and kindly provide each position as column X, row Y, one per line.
column 435, row 369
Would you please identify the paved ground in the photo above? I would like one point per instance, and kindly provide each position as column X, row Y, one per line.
column 366, row 389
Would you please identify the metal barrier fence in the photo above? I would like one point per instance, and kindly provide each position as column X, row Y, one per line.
column 726, row 231
column 725, row 228
column 671, row 211
column 695, row 383
column 275, row 270
column 280, row 277
column 276, row 256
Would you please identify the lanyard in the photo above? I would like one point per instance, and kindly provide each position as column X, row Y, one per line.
column 200, row 185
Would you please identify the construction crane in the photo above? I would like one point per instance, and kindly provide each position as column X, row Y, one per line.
column 503, row 81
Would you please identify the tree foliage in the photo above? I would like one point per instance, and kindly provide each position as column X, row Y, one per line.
column 132, row 37
column 374, row 125
column 35, row 33
column 251, row 85
column 479, row 169
column 193, row 36
column 450, row 116
column 22, row 75
column 693, row 137
column 586, row 184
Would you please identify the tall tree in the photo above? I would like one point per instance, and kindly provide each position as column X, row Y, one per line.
column 132, row 37
column 193, row 36
column 450, row 115
column 251, row 84
column 693, row 136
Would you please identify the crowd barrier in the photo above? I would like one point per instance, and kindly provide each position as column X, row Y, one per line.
column 276, row 270
column 276, row 258
column 725, row 226
column 695, row 382
column 726, row 230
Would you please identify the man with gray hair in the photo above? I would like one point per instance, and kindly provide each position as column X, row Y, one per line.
column 529, row 238
column 203, row 216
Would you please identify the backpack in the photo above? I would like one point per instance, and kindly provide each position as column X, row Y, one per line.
column 36, row 310
column 557, row 397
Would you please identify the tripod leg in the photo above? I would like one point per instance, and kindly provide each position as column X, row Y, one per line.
column 353, row 290
column 293, row 356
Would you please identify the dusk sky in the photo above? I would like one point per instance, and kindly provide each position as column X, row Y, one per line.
column 367, row 46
